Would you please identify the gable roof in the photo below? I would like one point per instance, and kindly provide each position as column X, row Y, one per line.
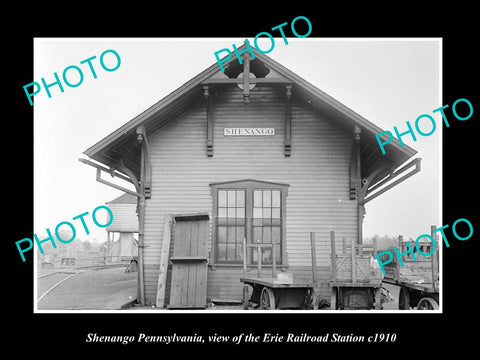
column 107, row 150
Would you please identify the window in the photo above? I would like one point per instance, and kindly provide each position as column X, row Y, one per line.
column 254, row 210
column 231, row 225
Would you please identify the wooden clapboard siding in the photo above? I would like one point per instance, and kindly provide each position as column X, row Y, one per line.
column 317, row 172
column 125, row 218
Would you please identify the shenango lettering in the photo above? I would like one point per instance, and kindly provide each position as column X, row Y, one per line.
column 125, row 339
column 248, row 131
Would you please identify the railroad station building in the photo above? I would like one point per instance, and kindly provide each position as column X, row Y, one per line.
column 258, row 153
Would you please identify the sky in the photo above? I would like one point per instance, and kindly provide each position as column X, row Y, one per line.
column 387, row 81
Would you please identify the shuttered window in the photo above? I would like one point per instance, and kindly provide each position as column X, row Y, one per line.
column 249, row 209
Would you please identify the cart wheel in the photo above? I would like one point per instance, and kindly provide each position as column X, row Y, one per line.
column 267, row 299
column 404, row 299
column 333, row 298
column 427, row 303
column 246, row 300
column 377, row 298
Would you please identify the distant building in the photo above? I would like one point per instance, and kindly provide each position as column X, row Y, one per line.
column 123, row 231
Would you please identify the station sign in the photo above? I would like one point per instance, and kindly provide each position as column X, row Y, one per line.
column 249, row 131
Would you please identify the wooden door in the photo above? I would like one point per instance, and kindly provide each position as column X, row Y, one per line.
column 189, row 262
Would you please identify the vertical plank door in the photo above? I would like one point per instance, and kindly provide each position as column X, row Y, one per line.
column 189, row 262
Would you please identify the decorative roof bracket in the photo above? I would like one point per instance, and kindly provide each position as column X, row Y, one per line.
column 246, row 78
column 146, row 168
column 288, row 121
column 355, row 166
column 208, row 106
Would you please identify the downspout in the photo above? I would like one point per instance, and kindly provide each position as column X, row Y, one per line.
column 358, row 183
column 141, row 216
column 355, row 180
column 141, row 225
column 145, row 181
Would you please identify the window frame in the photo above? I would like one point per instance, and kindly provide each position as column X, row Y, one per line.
column 249, row 186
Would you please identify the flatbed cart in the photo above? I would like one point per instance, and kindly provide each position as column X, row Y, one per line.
column 275, row 292
column 418, row 279
column 355, row 280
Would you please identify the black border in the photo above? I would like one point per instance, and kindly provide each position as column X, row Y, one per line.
column 427, row 332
